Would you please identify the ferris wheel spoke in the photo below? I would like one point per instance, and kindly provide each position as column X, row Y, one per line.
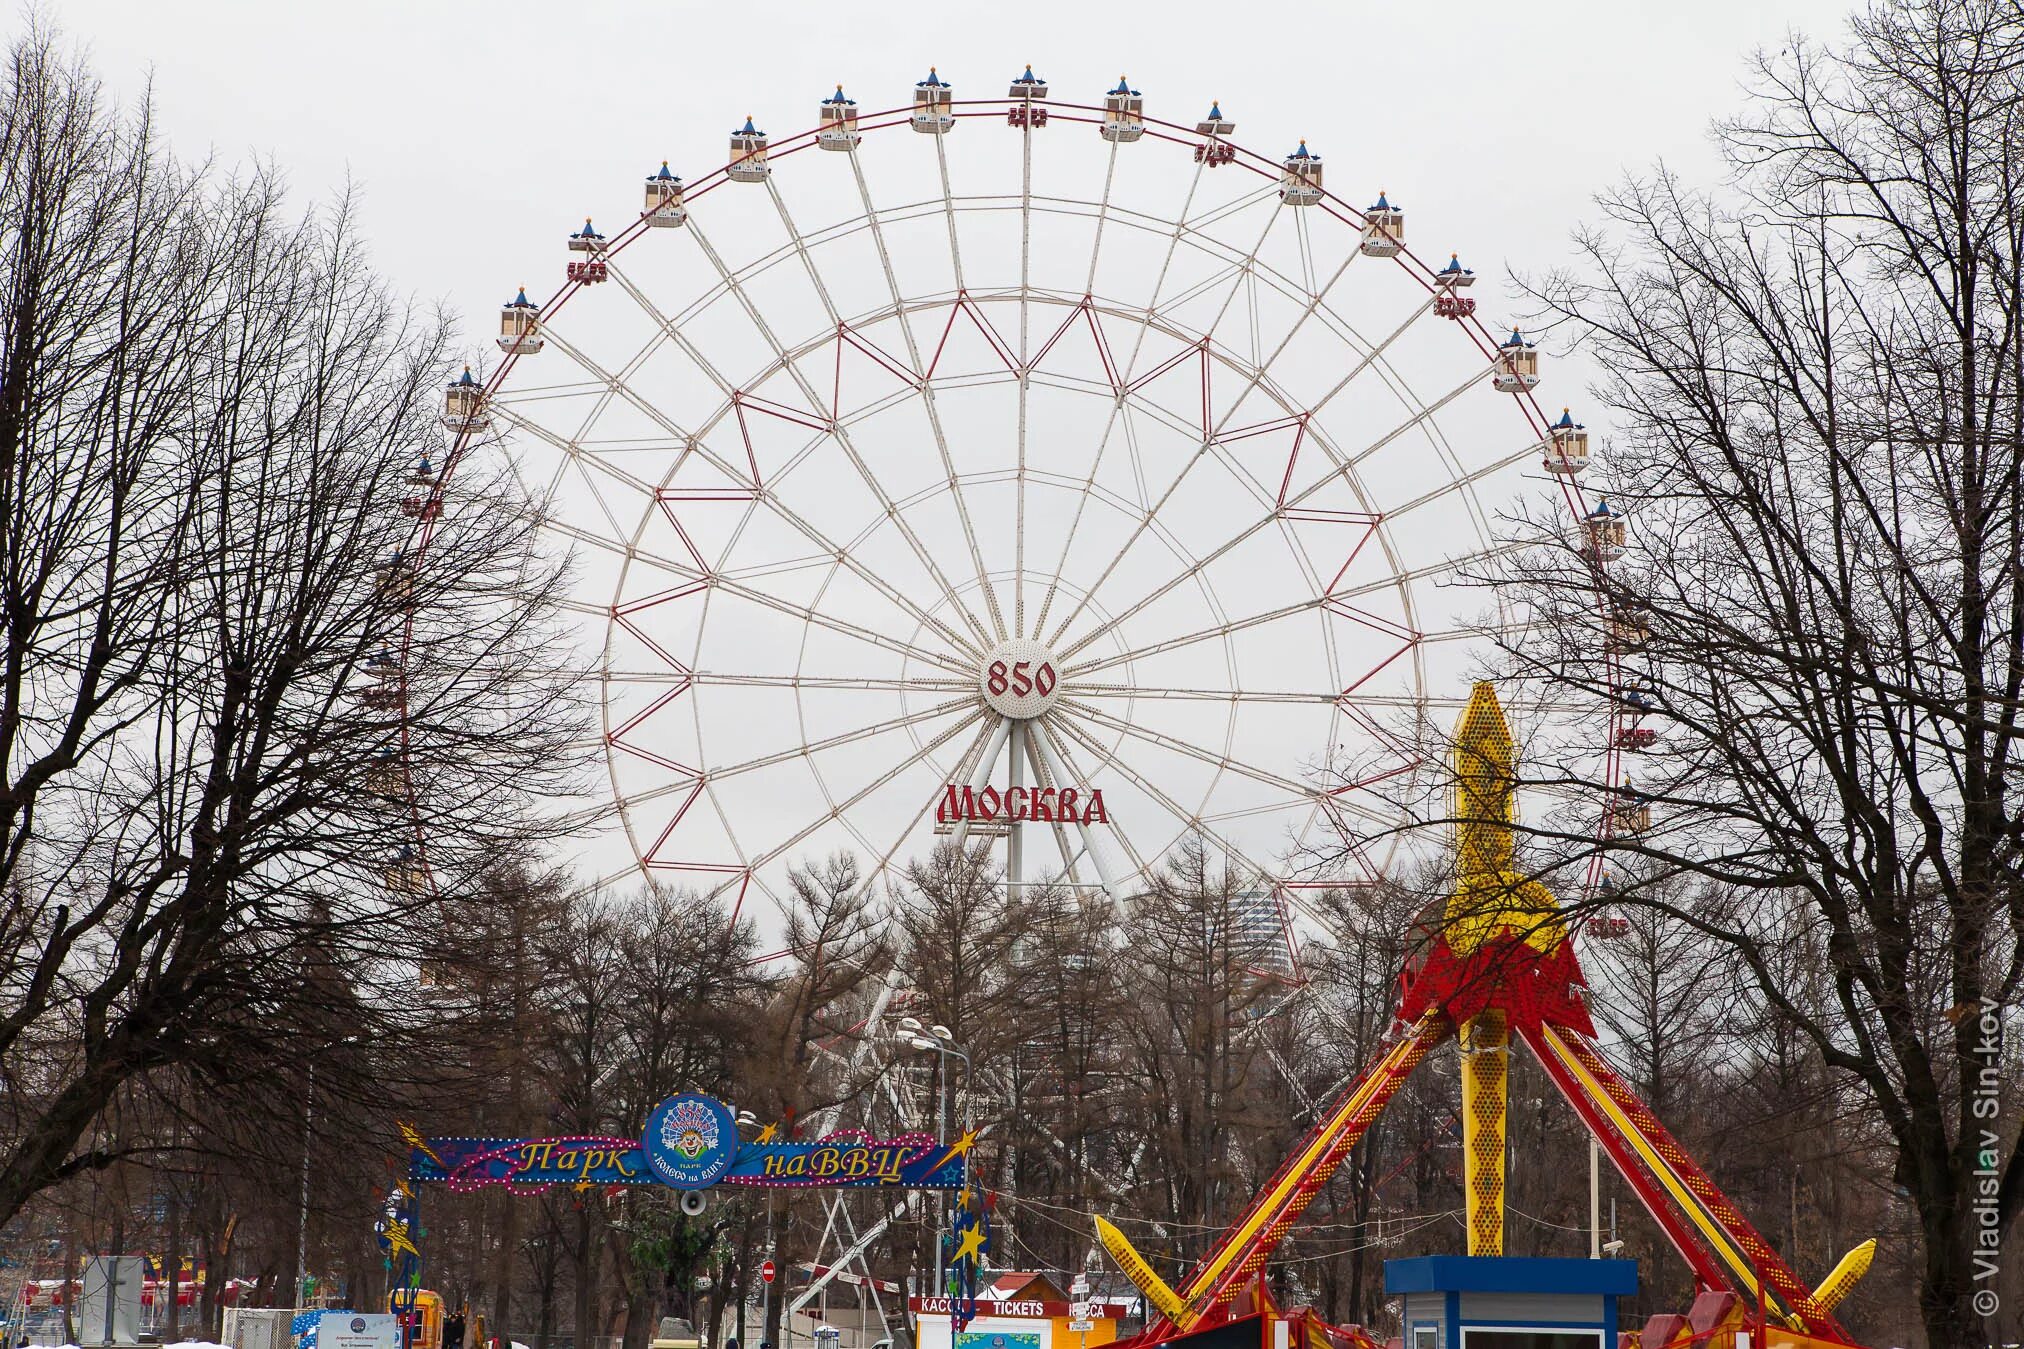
column 1463, row 481
column 841, row 434
column 753, row 765
column 630, row 552
column 672, row 332
column 1102, row 219
column 1025, row 373
column 612, row 385
column 884, row 779
column 775, row 503
column 1084, row 689
column 949, row 209
column 584, row 460
column 809, row 614
column 970, row 755
column 1187, row 819
column 1334, row 597
column 870, row 684
column 807, row 259
column 1344, row 471
column 1300, row 793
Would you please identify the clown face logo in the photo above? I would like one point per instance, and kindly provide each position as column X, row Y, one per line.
column 690, row 1141
column 690, row 1130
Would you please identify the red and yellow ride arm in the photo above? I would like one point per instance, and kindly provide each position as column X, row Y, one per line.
column 1672, row 1186
column 1243, row 1250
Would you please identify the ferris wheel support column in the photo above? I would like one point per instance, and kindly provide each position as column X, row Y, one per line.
column 1014, row 856
column 1042, row 743
column 982, row 778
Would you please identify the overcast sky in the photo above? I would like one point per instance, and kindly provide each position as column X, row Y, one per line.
column 482, row 133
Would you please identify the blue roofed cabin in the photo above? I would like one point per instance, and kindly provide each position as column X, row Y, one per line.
column 1454, row 276
column 1124, row 113
column 1384, row 229
column 587, row 239
column 464, row 406
column 748, row 155
column 1027, row 93
column 519, row 326
column 1214, row 150
column 1027, row 85
column 1607, row 535
column 1300, row 177
column 1567, row 448
column 837, row 129
column 1517, row 365
column 1508, row 1302
column 934, row 105
column 664, row 207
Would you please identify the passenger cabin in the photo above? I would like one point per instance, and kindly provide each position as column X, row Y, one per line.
column 1454, row 276
column 1624, row 632
column 381, row 690
column 1028, row 85
column 664, row 207
column 1384, row 231
column 1449, row 283
column 837, row 129
column 519, row 326
column 1517, row 365
column 1606, row 533
column 383, row 772
column 1300, row 177
column 748, row 155
column 1124, row 114
column 396, row 579
column 934, row 105
column 1567, row 447
column 1630, row 810
column 1027, row 90
column 405, row 875
column 464, row 406
column 587, row 239
column 1214, row 149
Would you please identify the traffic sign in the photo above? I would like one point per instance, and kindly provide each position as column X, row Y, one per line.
column 766, row 1272
column 1082, row 1325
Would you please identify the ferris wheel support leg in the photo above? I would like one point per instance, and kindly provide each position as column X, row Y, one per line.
column 1043, row 742
column 982, row 778
column 1014, row 857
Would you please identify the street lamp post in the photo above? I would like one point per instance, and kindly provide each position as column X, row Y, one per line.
column 943, row 1042
column 302, row 1217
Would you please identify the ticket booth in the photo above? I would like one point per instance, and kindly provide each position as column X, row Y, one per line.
column 1507, row 1302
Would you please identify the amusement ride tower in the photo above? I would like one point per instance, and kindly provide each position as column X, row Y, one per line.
column 1501, row 967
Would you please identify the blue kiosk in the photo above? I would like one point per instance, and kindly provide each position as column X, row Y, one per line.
column 1507, row 1302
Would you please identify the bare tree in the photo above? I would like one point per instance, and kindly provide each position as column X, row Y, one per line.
column 1816, row 379
column 244, row 740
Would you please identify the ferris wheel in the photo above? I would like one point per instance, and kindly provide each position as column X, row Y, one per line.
column 1014, row 469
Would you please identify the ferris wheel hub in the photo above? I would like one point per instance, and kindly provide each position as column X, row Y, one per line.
column 1019, row 679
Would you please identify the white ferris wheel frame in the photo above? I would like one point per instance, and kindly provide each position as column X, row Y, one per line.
column 1091, row 721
